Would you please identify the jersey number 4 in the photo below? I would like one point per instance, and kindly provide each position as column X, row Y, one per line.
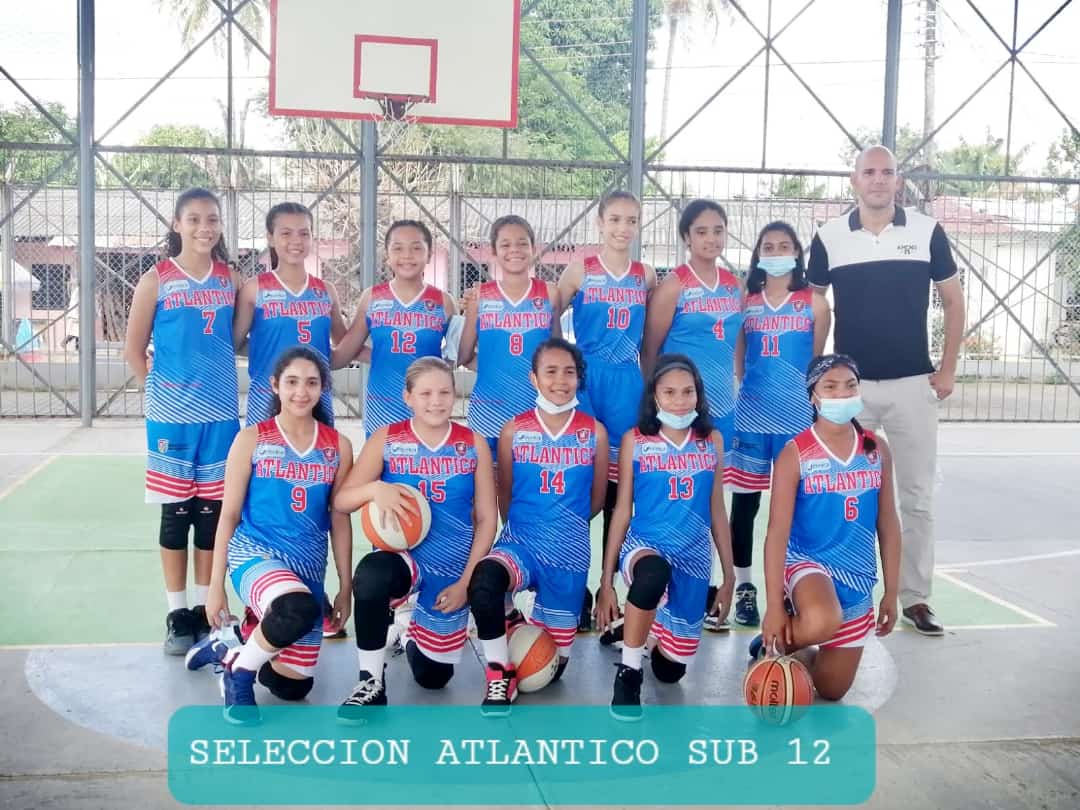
column 402, row 342
column 681, row 489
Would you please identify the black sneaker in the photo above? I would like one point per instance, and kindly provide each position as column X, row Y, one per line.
column 199, row 622
column 514, row 619
column 613, row 636
column 369, row 691
column 559, row 670
column 626, row 694
column 585, row 618
column 179, row 632
column 746, row 611
column 500, row 691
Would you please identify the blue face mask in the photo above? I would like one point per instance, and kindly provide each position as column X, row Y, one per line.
column 840, row 411
column 673, row 421
column 776, row 265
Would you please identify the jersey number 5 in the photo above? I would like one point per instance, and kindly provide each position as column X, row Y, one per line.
column 682, row 489
column 299, row 499
column 303, row 331
column 851, row 508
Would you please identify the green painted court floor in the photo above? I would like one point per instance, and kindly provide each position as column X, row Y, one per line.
column 79, row 561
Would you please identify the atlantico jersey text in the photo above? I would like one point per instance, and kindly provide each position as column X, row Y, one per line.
column 465, row 752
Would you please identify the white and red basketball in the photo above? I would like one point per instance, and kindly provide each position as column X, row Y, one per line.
column 399, row 534
column 778, row 689
column 535, row 656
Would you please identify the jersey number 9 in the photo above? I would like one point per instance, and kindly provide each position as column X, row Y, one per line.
column 299, row 499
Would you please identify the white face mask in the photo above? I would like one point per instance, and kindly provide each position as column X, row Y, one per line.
column 547, row 406
column 674, row 421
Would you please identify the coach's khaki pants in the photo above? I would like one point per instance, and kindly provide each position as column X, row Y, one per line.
column 907, row 411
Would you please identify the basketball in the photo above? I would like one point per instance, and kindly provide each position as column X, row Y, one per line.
column 777, row 689
column 534, row 655
column 411, row 531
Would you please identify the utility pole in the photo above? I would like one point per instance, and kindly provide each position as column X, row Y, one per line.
column 930, row 56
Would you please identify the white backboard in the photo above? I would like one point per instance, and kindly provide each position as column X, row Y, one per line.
column 451, row 61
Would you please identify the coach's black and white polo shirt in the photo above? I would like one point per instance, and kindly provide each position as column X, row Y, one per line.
column 881, row 288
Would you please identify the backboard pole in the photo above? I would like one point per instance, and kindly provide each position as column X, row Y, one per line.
column 369, row 202
column 892, row 73
column 639, row 50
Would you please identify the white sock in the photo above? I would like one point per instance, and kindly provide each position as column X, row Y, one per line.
column 631, row 656
column 743, row 576
column 496, row 650
column 177, row 600
column 371, row 661
column 252, row 656
column 201, row 592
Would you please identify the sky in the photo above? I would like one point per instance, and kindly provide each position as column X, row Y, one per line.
column 836, row 46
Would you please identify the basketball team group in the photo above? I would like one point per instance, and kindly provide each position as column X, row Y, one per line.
column 669, row 393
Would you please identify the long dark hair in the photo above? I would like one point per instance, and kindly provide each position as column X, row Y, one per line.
column 693, row 210
column 817, row 369
column 275, row 212
column 302, row 353
column 648, row 422
column 756, row 279
column 174, row 244
column 561, row 345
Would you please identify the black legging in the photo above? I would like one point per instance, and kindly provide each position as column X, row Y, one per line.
column 744, row 509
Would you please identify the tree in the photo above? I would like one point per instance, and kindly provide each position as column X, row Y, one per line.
column 171, row 170
column 796, row 187
column 194, row 15
column 1063, row 159
column 674, row 11
column 986, row 158
column 907, row 138
column 24, row 123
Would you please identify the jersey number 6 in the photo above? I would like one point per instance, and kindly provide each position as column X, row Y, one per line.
column 851, row 508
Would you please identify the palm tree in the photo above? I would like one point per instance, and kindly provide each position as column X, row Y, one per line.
column 193, row 15
column 674, row 12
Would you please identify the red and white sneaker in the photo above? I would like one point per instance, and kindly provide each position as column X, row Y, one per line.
column 502, row 687
column 248, row 625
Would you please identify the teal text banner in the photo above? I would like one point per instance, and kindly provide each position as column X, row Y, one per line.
column 554, row 755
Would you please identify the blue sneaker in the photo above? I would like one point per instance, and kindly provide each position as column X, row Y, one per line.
column 213, row 648
column 756, row 644
column 238, row 689
column 746, row 610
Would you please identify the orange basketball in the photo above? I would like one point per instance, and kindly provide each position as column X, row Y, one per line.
column 778, row 689
column 399, row 535
column 535, row 656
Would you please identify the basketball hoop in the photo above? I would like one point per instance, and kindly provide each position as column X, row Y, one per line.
column 395, row 108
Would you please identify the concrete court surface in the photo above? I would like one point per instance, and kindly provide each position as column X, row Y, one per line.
column 989, row 716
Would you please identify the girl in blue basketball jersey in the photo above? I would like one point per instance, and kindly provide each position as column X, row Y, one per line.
column 272, row 540
column 506, row 319
column 185, row 305
column 786, row 325
column 285, row 307
column 406, row 319
column 553, row 460
column 670, row 506
column 451, row 466
column 608, row 293
column 832, row 492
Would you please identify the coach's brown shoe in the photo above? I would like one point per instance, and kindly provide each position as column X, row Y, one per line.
column 921, row 617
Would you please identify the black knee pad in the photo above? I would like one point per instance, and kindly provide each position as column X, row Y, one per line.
column 665, row 669
column 429, row 674
column 205, row 516
column 651, row 575
column 379, row 577
column 284, row 688
column 487, row 598
column 289, row 618
column 176, row 519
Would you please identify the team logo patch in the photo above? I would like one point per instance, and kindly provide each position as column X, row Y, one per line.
column 461, row 448
column 223, row 282
column 380, row 305
column 330, row 454
column 701, row 444
column 403, row 448
column 815, row 465
column 274, row 295
column 269, row 451
column 583, row 435
column 538, row 302
column 798, row 306
column 637, row 280
column 318, row 292
column 527, row 436
column 176, row 286
column 429, row 305
column 872, row 456
column 163, row 445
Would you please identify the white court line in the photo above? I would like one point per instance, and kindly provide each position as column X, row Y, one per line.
column 1010, row 454
column 955, row 567
column 1039, row 620
column 74, row 453
column 95, row 645
column 27, row 476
